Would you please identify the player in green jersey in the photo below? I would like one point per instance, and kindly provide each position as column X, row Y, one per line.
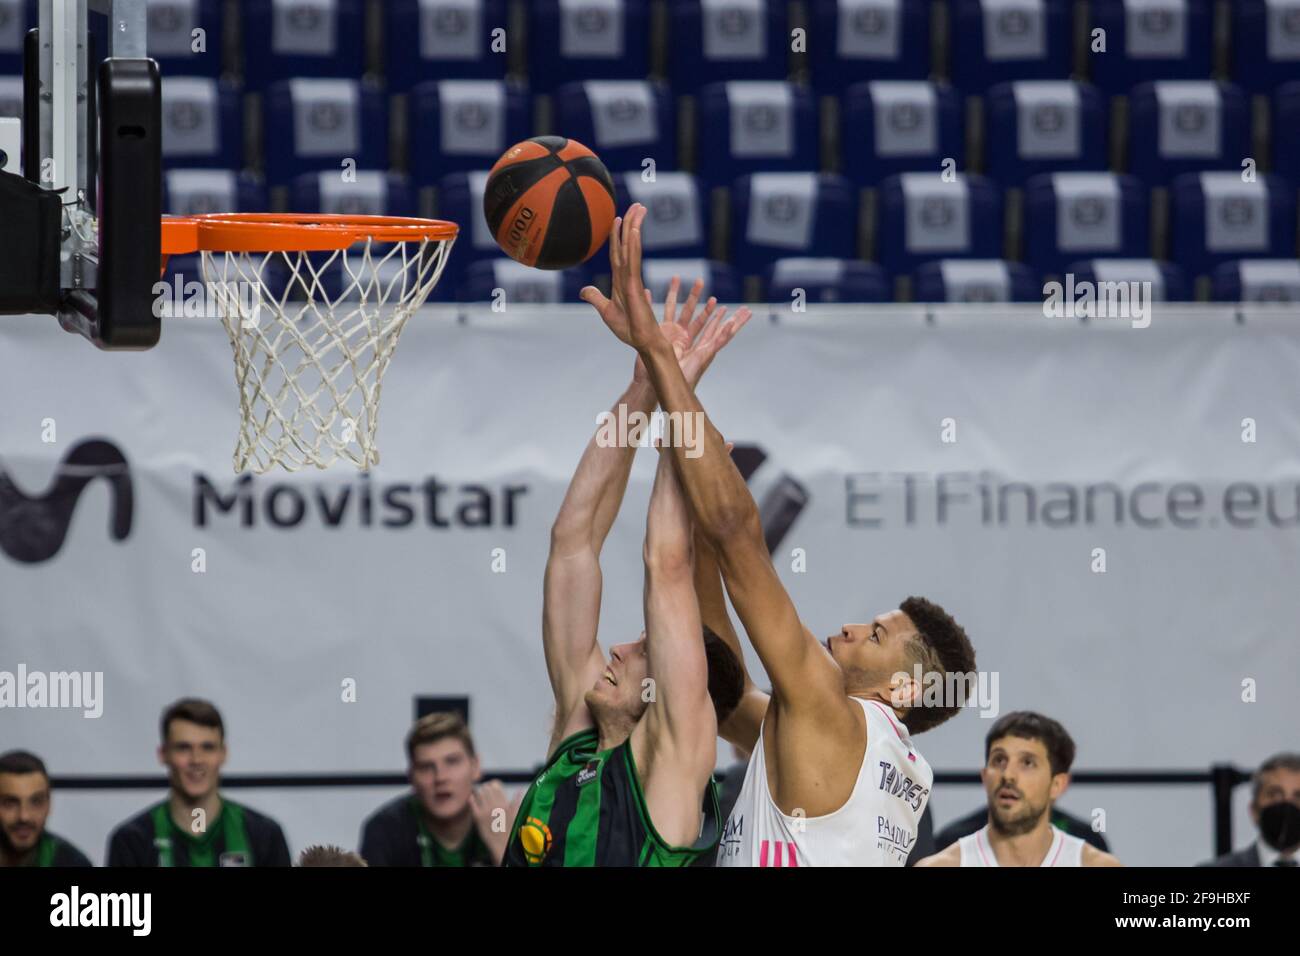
column 628, row 781
column 196, row 825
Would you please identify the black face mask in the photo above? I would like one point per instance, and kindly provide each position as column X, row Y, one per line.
column 1279, row 825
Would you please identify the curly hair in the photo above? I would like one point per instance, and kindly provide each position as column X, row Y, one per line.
column 942, row 648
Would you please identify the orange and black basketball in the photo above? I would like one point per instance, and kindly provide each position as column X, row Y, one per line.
column 549, row 202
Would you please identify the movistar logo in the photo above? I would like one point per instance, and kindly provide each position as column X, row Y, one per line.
column 783, row 501
column 33, row 527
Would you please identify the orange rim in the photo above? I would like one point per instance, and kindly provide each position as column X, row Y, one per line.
column 293, row 232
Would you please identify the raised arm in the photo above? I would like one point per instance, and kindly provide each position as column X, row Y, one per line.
column 572, row 586
column 803, row 675
column 742, row 726
column 676, row 743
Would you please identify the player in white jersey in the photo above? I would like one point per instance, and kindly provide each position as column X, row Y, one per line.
column 1027, row 760
column 976, row 849
column 834, row 772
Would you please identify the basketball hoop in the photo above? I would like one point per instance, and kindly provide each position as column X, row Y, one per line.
column 313, row 306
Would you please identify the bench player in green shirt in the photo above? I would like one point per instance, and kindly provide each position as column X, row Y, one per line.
column 447, row 818
column 629, row 776
column 24, row 811
column 196, row 825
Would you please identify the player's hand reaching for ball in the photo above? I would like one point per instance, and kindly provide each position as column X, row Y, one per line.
column 627, row 313
column 679, row 328
column 695, row 339
column 712, row 338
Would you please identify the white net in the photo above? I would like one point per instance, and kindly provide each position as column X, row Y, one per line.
column 313, row 334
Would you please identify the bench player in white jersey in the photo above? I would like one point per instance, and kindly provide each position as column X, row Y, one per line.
column 1027, row 759
column 834, row 778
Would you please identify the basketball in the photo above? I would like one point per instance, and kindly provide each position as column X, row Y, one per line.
column 549, row 202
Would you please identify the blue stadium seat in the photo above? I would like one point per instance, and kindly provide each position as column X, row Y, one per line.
column 16, row 18
column 369, row 193
column 975, row 280
column 195, row 192
column 202, row 123
column 727, row 40
column 1180, row 127
column 827, row 280
column 777, row 215
column 677, row 219
column 1215, row 218
column 719, row 278
column 1041, row 126
column 755, row 126
column 522, row 285
column 853, row 41
column 1070, row 216
column 1286, row 130
column 923, row 217
column 1168, row 282
column 998, row 41
column 587, row 39
column 290, row 39
column 460, row 200
column 316, row 124
column 896, row 126
column 442, row 40
column 171, row 39
column 1258, row 280
column 1164, row 40
column 1265, row 43
column 623, row 121
column 458, row 125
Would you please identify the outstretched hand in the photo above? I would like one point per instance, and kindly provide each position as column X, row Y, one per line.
column 680, row 329
column 629, row 313
column 710, row 341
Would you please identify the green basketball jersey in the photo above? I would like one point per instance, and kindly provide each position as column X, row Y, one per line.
column 227, row 839
column 586, row 808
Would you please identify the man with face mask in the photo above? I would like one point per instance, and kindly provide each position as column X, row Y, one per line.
column 1027, row 759
column 1275, row 808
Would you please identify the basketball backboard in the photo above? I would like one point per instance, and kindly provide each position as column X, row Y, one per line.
column 82, row 238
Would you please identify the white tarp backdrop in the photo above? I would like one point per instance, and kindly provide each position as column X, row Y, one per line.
column 316, row 578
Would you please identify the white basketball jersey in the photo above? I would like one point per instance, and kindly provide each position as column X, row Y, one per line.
column 1065, row 850
column 877, row 826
